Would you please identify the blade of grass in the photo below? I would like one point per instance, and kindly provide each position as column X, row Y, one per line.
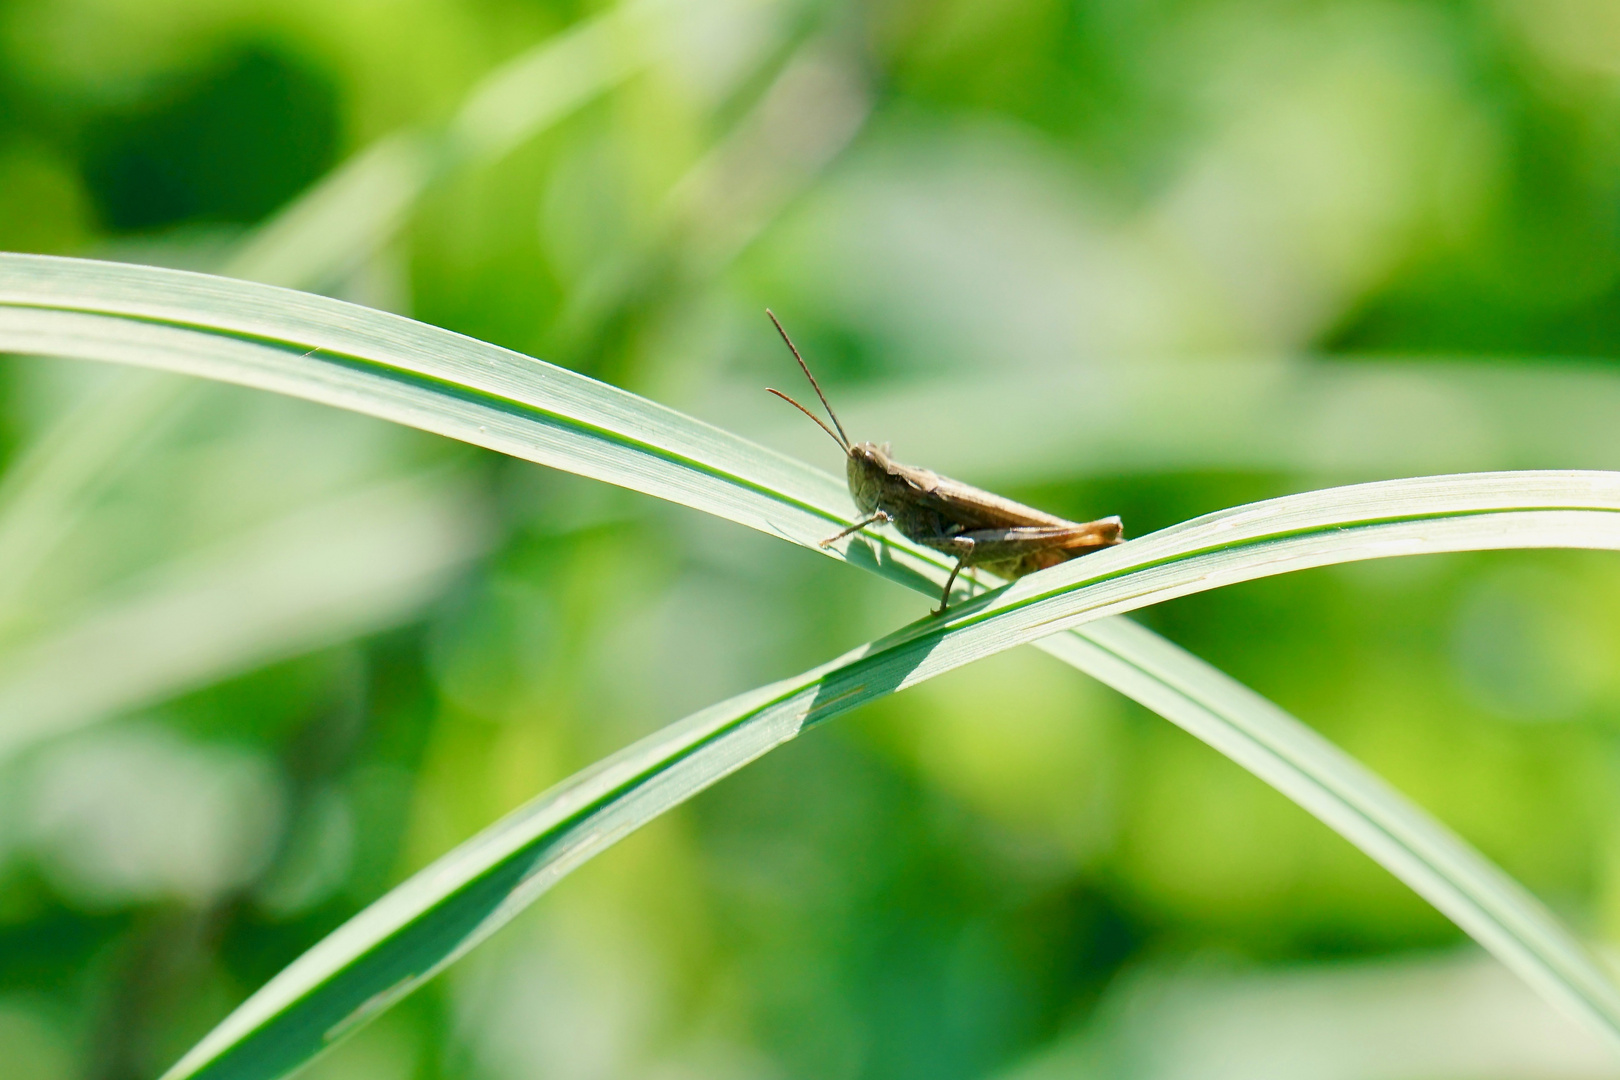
column 388, row 366
column 446, row 909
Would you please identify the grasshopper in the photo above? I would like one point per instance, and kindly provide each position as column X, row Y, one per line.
column 980, row 529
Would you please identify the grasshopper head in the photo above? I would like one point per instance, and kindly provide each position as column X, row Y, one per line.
column 868, row 472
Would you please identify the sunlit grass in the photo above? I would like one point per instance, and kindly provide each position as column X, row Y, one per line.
column 1126, row 306
column 411, row 373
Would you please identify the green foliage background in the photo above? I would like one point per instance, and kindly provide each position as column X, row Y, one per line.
column 1108, row 257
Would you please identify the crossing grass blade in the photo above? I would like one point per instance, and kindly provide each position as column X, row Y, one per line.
column 449, row 907
column 392, row 367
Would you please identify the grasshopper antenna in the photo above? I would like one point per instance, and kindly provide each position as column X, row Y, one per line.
column 841, row 438
column 841, row 444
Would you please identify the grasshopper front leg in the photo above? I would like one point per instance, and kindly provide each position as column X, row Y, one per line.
column 879, row 518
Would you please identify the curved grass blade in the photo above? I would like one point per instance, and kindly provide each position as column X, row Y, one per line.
column 388, row 366
column 446, row 909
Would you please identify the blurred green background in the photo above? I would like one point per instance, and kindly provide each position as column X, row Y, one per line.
column 260, row 660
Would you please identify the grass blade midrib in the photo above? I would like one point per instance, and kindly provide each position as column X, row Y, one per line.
column 453, row 362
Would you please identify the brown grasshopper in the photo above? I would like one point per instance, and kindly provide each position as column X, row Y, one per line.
column 979, row 528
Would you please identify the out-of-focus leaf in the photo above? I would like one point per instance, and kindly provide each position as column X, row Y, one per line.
column 446, row 909
column 1458, row 1015
column 727, row 198
column 317, row 577
column 1345, row 418
column 350, row 213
